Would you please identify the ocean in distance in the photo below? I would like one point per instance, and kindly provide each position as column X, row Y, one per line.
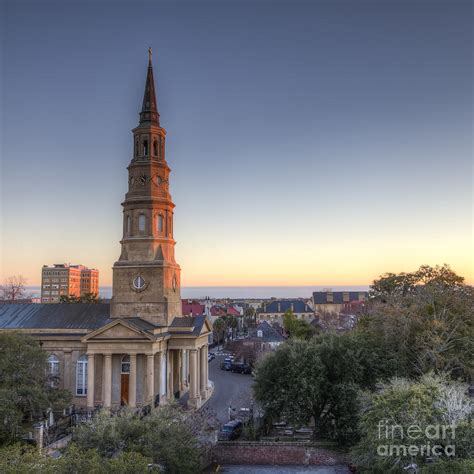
column 236, row 292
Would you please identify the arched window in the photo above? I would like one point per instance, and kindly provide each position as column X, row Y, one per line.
column 141, row 222
column 125, row 365
column 145, row 147
column 81, row 375
column 159, row 223
column 136, row 147
column 155, row 148
column 129, row 225
column 53, row 365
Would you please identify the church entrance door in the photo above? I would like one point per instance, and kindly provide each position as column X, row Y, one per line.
column 124, row 389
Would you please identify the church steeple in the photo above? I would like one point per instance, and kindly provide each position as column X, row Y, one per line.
column 149, row 113
column 146, row 277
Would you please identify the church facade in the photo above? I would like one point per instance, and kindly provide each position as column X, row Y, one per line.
column 138, row 350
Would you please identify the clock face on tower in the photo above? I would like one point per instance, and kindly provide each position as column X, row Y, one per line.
column 142, row 179
column 139, row 283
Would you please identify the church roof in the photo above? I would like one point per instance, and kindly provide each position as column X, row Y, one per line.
column 196, row 322
column 80, row 316
column 54, row 316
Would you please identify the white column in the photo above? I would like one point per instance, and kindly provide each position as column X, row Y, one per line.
column 183, row 369
column 150, row 378
column 193, row 392
column 90, row 380
column 203, row 373
column 206, row 378
column 171, row 374
column 132, row 388
column 198, row 372
column 107, row 380
column 163, row 388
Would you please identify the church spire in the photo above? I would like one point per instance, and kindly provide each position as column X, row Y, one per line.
column 149, row 113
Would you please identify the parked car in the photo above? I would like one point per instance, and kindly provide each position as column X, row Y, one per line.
column 210, row 356
column 226, row 365
column 231, row 430
column 241, row 368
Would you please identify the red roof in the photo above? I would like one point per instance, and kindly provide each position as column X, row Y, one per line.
column 222, row 311
column 233, row 311
column 192, row 308
column 217, row 311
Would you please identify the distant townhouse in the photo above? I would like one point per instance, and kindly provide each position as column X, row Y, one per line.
column 274, row 310
column 338, row 301
column 67, row 280
column 264, row 337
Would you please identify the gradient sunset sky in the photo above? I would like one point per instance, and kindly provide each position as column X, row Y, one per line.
column 311, row 143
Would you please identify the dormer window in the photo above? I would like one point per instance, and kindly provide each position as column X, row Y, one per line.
column 259, row 333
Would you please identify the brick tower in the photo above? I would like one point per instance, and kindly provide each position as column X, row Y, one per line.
column 146, row 278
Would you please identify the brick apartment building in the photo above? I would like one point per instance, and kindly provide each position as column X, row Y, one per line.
column 68, row 280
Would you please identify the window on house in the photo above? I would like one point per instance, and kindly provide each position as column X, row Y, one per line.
column 53, row 364
column 259, row 333
column 160, row 223
column 81, row 375
column 141, row 222
column 125, row 365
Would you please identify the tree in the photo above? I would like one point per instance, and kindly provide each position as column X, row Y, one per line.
column 231, row 323
column 297, row 328
column 169, row 436
column 13, row 288
column 424, row 320
column 26, row 387
column 249, row 352
column 19, row 458
column 86, row 298
column 316, row 379
column 392, row 285
column 249, row 316
column 219, row 329
column 420, row 412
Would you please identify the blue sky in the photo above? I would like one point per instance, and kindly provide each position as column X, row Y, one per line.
column 310, row 142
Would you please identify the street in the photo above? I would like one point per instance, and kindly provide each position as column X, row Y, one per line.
column 229, row 389
column 283, row 469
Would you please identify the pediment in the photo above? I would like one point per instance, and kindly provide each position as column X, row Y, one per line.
column 119, row 329
column 206, row 327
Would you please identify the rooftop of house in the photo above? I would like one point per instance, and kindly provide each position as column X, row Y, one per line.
column 281, row 306
column 266, row 333
column 224, row 310
column 339, row 297
column 192, row 308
